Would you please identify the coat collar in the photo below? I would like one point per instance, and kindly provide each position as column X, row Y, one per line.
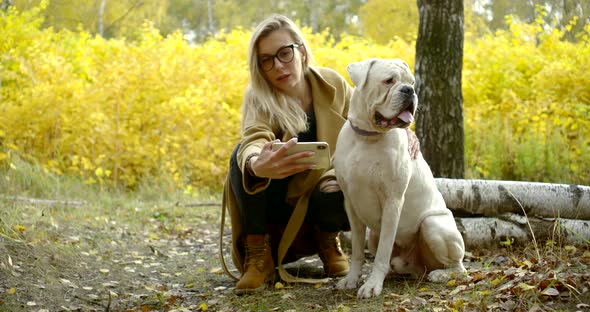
column 327, row 102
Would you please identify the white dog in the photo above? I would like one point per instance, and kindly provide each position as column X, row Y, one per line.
column 387, row 191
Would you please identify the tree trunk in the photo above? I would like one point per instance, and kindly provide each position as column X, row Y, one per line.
column 5, row 4
column 489, row 198
column 210, row 25
column 101, row 17
column 439, row 62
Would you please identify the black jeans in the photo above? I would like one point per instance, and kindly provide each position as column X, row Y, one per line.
column 325, row 211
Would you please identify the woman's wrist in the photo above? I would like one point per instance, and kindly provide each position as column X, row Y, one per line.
column 249, row 161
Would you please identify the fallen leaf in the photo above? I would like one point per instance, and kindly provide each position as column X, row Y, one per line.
column 478, row 276
column 550, row 292
column 570, row 249
column 19, row 228
column 506, row 286
column 459, row 304
column 526, row 286
column 12, row 291
column 342, row 308
column 457, row 290
column 287, row 296
column 527, row 263
column 68, row 283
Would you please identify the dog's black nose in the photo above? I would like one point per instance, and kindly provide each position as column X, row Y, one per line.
column 407, row 90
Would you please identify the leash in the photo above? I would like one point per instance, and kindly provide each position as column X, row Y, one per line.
column 221, row 257
column 287, row 239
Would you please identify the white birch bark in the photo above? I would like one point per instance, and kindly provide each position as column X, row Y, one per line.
column 101, row 17
column 491, row 197
column 490, row 232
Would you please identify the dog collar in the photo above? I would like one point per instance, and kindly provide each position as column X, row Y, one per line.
column 363, row 132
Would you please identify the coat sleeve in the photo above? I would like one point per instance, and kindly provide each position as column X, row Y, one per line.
column 256, row 131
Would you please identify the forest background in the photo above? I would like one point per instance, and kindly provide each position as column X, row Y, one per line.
column 122, row 92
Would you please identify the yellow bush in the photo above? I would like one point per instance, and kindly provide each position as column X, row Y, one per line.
column 115, row 112
column 526, row 103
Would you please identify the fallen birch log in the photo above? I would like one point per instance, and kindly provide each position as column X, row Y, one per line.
column 491, row 232
column 489, row 198
column 44, row 202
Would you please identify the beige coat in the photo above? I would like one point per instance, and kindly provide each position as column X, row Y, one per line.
column 331, row 95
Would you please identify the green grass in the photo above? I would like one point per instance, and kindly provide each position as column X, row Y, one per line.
column 494, row 151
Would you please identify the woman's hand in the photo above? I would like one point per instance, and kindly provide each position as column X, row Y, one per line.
column 275, row 165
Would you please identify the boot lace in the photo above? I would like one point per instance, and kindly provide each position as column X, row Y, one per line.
column 331, row 241
column 255, row 256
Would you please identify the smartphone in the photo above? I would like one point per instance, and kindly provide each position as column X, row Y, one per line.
column 321, row 158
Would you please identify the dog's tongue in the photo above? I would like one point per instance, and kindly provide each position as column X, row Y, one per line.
column 406, row 116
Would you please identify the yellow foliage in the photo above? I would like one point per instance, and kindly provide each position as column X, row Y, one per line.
column 116, row 112
column 526, row 102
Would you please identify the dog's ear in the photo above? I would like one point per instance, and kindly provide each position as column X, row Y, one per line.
column 407, row 70
column 359, row 71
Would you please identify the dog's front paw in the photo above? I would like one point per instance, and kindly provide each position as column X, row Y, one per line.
column 372, row 288
column 348, row 282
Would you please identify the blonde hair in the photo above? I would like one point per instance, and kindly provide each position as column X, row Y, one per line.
column 260, row 98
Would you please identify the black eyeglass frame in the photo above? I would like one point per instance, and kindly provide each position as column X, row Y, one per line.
column 276, row 55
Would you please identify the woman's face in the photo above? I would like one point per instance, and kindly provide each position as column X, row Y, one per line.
column 274, row 52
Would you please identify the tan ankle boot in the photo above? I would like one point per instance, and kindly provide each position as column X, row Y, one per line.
column 329, row 250
column 259, row 265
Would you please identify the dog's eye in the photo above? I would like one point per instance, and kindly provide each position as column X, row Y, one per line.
column 389, row 81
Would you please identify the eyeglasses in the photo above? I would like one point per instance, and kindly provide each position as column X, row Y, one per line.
column 284, row 55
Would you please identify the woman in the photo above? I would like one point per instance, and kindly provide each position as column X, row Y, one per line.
column 281, row 209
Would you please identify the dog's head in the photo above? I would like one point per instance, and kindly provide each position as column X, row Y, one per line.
column 384, row 96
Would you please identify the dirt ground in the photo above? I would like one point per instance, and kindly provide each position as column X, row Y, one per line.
column 165, row 258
